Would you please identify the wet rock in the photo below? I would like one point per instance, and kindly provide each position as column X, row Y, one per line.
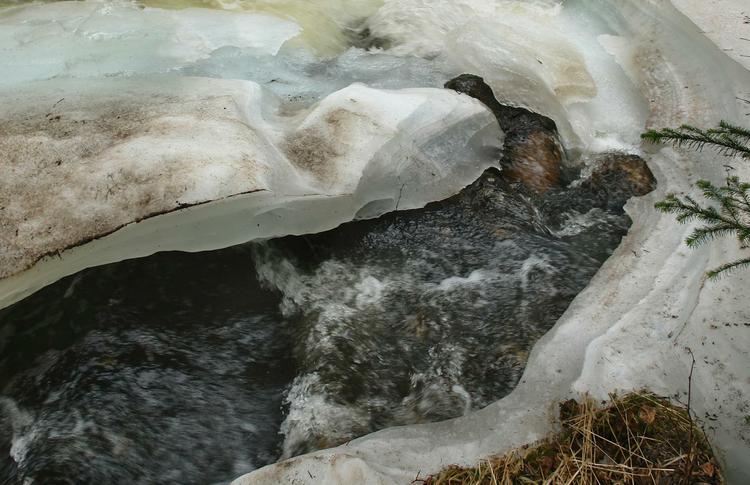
column 535, row 162
column 533, row 154
column 614, row 178
column 618, row 176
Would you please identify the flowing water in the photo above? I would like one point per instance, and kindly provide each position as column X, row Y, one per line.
column 165, row 369
column 195, row 368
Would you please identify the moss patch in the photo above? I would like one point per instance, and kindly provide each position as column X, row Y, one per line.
column 639, row 438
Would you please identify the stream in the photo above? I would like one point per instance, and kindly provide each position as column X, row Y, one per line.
column 237, row 357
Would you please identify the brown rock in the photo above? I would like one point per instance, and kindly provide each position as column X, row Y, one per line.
column 533, row 154
column 619, row 176
column 534, row 162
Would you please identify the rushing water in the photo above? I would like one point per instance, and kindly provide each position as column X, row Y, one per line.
column 195, row 368
column 165, row 369
column 424, row 315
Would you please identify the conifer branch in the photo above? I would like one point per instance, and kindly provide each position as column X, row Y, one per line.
column 735, row 130
column 729, row 212
column 728, row 139
column 729, row 267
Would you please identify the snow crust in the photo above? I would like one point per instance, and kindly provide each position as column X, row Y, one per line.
column 85, row 160
column 649, row 307
column 327, row 26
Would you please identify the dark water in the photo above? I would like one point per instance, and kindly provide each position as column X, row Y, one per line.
column 196, row 368
column 424, row 315
column 168, row 369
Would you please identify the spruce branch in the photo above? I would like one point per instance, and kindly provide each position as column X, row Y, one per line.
column 705, row 234
column 729, row 267
column 728, row 139
column 734, row 130
column 728, row 212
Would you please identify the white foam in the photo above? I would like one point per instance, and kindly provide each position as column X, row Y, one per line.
column 475, row 277
column 575, row 222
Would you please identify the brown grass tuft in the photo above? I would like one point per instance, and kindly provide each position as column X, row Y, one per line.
column 639, row 438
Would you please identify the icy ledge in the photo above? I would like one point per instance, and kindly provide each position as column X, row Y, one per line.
column 98, row 171
column 647, row 305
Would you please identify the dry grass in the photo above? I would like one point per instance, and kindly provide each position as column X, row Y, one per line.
column 639, row 438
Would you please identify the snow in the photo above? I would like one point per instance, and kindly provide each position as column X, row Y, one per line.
column 327, row 26
column 85, row 160
column 725, row 22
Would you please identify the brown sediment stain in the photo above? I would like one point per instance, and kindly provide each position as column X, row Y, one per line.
column 312, row 148
column 84, row 169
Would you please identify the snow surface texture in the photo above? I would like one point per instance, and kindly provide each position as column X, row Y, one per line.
column 84, row 160
column 328, row 26
column 650, row 303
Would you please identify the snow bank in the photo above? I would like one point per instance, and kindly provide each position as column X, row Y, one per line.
column 100, row 171
column 327, row 26
column 650, row 303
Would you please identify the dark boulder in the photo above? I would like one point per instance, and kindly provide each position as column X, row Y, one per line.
column 533, row 154
column 616, row 177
